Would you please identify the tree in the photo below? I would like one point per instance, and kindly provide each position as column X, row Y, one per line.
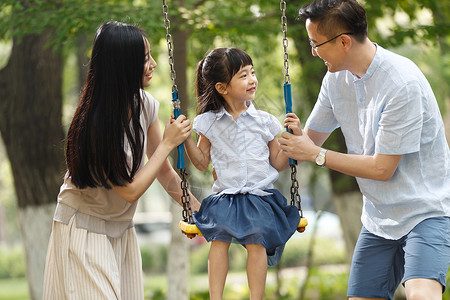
column 31, row 106
column 31, row 119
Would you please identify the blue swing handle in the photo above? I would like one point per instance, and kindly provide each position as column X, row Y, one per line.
column 288, row 109
column 177, row 112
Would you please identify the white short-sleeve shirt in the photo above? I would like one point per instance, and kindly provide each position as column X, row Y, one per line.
column 239, row 149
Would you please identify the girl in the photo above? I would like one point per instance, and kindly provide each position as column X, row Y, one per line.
column 240, row 141
column 93, row 251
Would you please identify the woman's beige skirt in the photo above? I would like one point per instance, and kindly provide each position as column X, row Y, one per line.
column 85, row 265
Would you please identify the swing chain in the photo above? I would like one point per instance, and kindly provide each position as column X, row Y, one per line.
column 287, row 78
column 295, row 196
column 186, row 198
column 173, row 74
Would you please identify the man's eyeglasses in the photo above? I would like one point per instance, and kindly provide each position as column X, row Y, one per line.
column 317, row 46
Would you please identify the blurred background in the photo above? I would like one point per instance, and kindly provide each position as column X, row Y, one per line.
column 44, row 54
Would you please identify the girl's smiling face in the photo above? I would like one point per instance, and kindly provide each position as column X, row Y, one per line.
column 243, row 85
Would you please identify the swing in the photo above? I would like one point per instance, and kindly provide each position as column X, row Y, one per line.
column 295, row 196
column 187, row 225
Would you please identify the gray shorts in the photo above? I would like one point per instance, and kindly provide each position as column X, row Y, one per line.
column 379, row 264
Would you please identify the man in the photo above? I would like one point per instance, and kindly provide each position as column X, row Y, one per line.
column 396, row 149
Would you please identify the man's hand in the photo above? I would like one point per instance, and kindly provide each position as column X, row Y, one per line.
column 299, row 147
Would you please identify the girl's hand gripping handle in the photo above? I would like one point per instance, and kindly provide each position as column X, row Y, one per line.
column 177, row 112
column 288, row 109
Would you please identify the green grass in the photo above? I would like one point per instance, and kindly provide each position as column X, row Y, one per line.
column 14, row 289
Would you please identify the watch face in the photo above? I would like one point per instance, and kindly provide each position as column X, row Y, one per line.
column 320, row 160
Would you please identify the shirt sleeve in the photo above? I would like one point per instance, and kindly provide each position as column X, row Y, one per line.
column 401, row 121
column 322, row 117
column 274, row 126
column 150, row 108
column 203, row 122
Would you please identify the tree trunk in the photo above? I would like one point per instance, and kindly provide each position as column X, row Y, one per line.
column 35, row 226
column 348, row 207
column 178, row 259
column 30, row 105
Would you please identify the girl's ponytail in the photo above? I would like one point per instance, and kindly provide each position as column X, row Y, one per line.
column 200, row 86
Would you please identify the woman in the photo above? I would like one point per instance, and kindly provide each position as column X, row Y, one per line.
column 93, row 251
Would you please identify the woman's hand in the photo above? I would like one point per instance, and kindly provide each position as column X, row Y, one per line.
column 176, row 131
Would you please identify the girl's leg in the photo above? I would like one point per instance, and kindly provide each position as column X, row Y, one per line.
column 217, row 268
column 256, row 270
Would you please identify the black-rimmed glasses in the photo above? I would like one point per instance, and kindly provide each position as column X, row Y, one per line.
column 317, row 46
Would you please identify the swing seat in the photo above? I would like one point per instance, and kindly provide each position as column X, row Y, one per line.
column 302, row 225
column 190, row 230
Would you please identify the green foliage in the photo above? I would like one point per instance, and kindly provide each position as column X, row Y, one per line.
column 325, row 252
column 156, row 294
column 436, row 68
column 412, row 25
column 199, row 259
column 14, row 289
column 12, row 263
column 69, row 18
column 154, row 259
column 237, row 258
column 324, row 284
column 295, row 254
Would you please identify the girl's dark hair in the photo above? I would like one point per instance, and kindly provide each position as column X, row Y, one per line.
column 107, row 119
column 220, row 65
column 337, row 16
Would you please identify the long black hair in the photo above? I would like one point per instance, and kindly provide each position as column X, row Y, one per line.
column 107, row 118
column 220, row 65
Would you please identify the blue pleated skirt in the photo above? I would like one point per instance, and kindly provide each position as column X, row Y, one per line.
column 249, row 219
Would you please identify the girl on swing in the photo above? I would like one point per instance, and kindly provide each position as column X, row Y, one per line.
column 240, row 141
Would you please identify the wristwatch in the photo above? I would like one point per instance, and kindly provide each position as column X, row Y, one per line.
column 320, row 158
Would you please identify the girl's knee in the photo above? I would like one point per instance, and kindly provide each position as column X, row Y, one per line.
column 220, row 244
column 255, row 248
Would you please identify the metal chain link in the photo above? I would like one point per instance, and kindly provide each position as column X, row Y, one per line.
column 295, row 195
column 287, row 78
column 169, row 40
column 185, row 197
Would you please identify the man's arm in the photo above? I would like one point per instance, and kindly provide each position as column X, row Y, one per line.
column 305, row 147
